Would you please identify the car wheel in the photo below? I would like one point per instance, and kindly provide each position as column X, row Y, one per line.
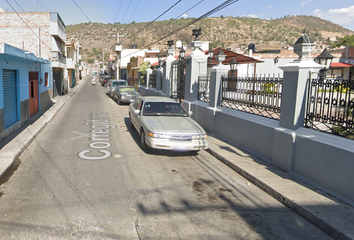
column 119, row 102
column 143, row 144
column 131, row 125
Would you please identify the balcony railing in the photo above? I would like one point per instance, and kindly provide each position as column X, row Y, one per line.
column 58, row 57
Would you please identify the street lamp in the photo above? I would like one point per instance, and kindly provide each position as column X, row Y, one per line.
column 182, row 53
column 211, row 54
column 221, row 56
column 197, row 32
column 325, row 58
column 233, row 65
column 159, row 58
column 170, row 43
column 149, row 65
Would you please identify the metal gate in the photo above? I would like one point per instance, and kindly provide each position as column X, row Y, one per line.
column 178, row 80
column 10, row 97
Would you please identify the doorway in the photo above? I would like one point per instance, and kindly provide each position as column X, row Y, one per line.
column 33, row 93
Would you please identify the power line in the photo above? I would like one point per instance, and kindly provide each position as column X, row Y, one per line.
column 82, row 11
column 183, row 13
column 218, row 8
column 126, row 11
column 134, row 11
column 42, row 5
column 117, row 11
column 27, row 25
column 28, row 16
column 155, row 19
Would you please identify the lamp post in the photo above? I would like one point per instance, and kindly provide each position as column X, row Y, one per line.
column 325, row 58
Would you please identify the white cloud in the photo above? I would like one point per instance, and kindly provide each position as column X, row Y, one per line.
column 304, row 3
column 269, row 7
column 2, row 10
column 339, row 16
column 251, row 16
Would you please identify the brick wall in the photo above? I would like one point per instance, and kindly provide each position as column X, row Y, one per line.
column 23, row 29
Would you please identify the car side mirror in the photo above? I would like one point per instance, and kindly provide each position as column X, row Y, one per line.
column 137, row 111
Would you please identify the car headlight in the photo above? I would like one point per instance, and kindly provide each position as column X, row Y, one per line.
column 159, row 135
column 200, row 137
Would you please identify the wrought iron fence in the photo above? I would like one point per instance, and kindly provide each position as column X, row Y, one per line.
column 256, row 95
column 152, row 80
column 204, row 88
column 330, row 106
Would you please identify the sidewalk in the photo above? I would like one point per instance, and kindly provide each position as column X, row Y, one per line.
column 327, row 213
column 12, row 147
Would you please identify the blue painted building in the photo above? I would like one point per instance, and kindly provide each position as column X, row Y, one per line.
column 26, row 87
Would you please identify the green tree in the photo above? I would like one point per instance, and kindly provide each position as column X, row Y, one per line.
column 142, row 70
column 346, row 41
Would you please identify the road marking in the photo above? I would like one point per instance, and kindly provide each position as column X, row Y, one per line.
column 82, row 135
column 99, row 136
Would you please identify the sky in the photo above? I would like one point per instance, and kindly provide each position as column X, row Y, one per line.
column 125, row 11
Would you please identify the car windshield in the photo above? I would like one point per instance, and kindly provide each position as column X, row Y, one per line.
column 127, row 89
column 163, row 109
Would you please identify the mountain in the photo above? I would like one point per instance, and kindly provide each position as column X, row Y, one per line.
column 227, row 32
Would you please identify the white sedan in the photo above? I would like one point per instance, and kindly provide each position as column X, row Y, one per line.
column 164, row 124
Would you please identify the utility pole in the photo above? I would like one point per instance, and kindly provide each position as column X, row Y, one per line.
column 118, row 50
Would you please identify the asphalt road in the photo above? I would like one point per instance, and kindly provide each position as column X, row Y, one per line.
column 85, row 177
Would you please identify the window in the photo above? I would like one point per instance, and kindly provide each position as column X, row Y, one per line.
column 46, row 82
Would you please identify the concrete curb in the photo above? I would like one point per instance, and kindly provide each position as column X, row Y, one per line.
column 291, row 204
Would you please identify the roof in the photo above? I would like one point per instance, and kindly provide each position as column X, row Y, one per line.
column 304, row 39
column 240, row 58
column 340, row 65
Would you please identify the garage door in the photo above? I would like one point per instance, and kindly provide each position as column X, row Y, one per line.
column 10, row 97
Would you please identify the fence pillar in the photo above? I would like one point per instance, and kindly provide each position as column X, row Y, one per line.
column 159, row 73
column 196, row 66
column 293, row 103
column 148, row 73
column 167, row 73
column 215, row 83
column 296, row 74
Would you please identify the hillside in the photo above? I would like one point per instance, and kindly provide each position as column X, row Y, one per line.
column 228, row 32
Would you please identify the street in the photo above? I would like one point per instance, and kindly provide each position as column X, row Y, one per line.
column 85, row 177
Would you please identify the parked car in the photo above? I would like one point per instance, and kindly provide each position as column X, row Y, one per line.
column 164, row 124
column 125, row 94
column 112, row 84
column 105, row 80
column 100, row 77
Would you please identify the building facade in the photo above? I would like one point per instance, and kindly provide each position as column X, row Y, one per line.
column 25, row 87
column 41, row 33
